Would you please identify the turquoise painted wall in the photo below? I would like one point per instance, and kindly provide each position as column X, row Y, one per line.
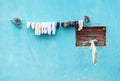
column 26, row 57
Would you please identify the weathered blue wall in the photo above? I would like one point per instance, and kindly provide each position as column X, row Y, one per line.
column 26, row 57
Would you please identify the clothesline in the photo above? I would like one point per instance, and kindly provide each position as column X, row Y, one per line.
column 50, row 27
column 86, row 19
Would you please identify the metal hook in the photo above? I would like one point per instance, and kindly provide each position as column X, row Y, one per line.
column 17, row 22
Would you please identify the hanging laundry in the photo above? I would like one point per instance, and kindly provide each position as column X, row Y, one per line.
column 94, row 51
column 73, row 23
column 43, row 27
column 33, row 25
column 28, row 24
column 36, row 29
column 53, row 29
column 80, row 25
column 66, row 24
column 57, row 24
column 40, row 28
column 49, row 28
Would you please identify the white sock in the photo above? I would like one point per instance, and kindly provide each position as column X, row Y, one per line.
column 28, row 24
column 53, row 27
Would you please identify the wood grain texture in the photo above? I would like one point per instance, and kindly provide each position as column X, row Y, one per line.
column 89, row 33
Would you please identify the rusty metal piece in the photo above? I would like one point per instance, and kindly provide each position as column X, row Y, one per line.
column 17, row 22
